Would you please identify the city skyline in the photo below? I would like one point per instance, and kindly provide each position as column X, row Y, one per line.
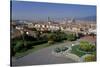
column 31, row 10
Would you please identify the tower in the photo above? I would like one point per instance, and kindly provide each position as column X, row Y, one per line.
column 73, row 20
column 49, row 20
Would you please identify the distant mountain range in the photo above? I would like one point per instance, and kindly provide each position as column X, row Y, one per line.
column 88, row 18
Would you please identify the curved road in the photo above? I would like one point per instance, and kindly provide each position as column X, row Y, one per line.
column 42, row 56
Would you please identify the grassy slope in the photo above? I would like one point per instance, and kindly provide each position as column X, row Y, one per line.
column 77, row 52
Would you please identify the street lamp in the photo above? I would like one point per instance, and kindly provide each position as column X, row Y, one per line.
column 72, row 44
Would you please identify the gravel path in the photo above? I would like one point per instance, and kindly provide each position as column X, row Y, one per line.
column 42, row 56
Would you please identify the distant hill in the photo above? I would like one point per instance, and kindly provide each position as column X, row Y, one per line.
column 88, row 18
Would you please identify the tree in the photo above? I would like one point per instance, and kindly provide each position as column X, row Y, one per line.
column 51, row 37
column 19, row 47
column 71, row 37
column 86, row 46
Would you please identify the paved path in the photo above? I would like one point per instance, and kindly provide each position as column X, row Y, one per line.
column 43, row 56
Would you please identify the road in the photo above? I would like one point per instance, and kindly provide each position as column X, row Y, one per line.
column 43, row 56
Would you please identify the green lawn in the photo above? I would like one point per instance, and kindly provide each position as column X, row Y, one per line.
column 35, row 48
column 76, row 51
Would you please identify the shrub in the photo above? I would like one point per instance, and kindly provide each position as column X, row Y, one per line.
column 94, row 53
column 50, row 42
column 71, row 37
column 39, row 42
column 51, row 37
column 57, row 36
column 90, row 58
column 33, row 43
column 85, row 46
column 19, row 46
column 29, row 38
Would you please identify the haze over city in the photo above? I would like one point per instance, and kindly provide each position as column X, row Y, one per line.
column 41, row 11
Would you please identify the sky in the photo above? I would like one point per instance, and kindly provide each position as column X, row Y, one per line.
column 33, row 10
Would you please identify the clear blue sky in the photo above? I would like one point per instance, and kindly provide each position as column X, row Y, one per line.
column 29, row 10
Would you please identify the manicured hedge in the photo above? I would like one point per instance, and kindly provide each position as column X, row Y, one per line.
column 86, row 46
column 33, row 43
